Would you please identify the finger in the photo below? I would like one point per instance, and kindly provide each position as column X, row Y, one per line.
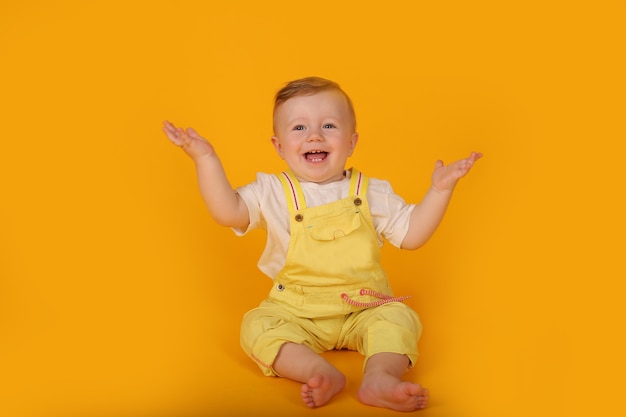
column 465, row 165
column 438, row 164
column 192, row 132
column 475, row 156
column 169, row 126
column 182, row 135
column 170, row 130
column 176, row 135
column 172, row 136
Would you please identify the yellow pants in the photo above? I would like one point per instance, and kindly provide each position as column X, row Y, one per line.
column 391, row 327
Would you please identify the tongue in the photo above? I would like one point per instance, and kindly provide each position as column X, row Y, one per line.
column 316, row 156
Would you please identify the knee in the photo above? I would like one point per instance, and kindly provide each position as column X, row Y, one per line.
column 254, row 325
column 402, row 316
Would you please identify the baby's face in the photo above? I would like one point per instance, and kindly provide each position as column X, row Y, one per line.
column 315, row 135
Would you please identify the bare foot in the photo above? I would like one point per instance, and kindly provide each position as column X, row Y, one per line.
column 321, row 379
column 319, row 389
column 388, row 391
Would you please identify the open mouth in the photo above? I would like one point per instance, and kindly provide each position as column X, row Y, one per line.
column 315, row 156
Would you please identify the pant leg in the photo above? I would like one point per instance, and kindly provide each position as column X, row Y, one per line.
column 391, row 328
column 266, row 328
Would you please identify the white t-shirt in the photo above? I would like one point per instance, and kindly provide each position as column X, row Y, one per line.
column 268, row 210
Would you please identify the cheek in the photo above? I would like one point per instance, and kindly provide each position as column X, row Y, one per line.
column 289, row 150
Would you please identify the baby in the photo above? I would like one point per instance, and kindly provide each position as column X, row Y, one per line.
column 325, row 226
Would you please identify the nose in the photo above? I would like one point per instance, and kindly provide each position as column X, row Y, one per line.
column 315, row 135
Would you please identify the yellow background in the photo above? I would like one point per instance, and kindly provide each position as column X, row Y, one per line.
column 119, row 296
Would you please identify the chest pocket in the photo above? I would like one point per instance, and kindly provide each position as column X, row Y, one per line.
column 334, row 225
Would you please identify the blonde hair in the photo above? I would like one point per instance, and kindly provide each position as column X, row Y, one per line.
column 309, row 86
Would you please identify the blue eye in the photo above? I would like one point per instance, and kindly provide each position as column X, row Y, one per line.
column 329, row 126
column 298, row 127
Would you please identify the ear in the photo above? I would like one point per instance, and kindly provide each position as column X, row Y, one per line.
column 353, row 140
column 278, row 146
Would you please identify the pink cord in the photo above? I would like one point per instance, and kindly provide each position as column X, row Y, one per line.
column 384, row 299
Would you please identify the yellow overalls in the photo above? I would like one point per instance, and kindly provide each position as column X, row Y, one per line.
column 332, row 292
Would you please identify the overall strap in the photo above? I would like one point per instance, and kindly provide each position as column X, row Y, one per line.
column 358, row 183
column 293, row 191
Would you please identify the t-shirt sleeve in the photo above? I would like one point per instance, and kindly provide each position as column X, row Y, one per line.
column 252, row 194
column 390, row 213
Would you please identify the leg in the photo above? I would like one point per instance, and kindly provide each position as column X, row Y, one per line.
column 383, row 386
column 321, row 379
column 387, row 336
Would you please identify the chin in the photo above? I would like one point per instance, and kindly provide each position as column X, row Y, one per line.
column 319, row 173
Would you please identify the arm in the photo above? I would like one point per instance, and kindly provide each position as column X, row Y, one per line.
column 427, row 215
column 226, row 207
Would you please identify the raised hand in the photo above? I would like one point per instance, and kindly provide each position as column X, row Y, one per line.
column 445, row 177
column 189, row 140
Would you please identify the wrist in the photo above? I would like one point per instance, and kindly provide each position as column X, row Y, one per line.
column 204, row 158
column 442, row 190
